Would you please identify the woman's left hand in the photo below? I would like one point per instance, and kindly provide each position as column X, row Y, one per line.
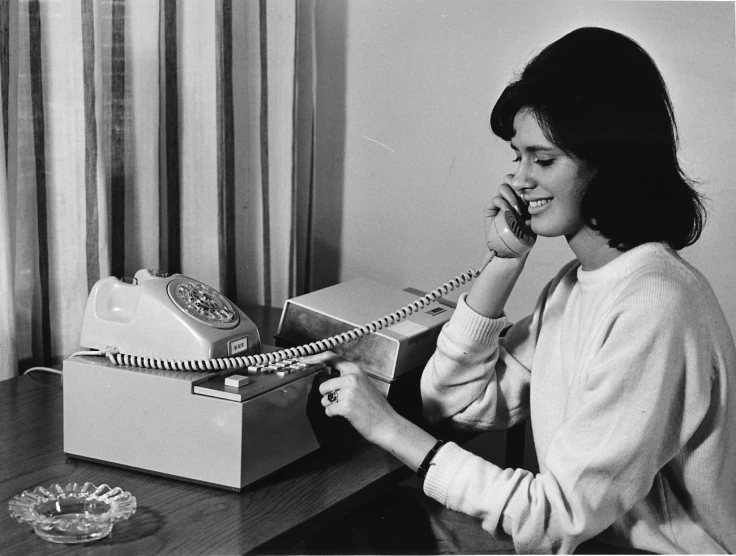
column 352, row 395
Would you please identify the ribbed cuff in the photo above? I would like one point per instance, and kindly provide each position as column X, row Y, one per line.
column 475, row 326
column 442, row 471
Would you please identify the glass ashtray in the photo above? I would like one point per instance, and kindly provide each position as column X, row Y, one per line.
column 72, row 513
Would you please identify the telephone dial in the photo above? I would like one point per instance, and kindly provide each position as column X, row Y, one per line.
column 188, row 390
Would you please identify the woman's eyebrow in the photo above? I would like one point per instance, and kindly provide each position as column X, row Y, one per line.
column 533, row 148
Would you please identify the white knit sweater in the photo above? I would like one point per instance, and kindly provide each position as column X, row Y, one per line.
column 627, row 373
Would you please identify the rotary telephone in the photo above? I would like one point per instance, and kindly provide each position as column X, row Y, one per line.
column 177, row 323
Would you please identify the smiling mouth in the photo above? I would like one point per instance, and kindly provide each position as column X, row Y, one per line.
column 537, row 205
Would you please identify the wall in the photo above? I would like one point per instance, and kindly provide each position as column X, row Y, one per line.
column 405, row 157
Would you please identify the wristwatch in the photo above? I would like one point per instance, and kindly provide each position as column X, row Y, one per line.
column 424, row 467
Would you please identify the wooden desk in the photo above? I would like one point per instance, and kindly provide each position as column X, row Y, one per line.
column 173, row 516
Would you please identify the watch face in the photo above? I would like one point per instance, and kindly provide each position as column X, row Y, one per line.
column 203, row 303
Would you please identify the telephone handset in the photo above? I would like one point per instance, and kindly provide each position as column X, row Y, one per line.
column 509, row 236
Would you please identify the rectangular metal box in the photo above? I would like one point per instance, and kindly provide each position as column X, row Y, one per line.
column 385, row 354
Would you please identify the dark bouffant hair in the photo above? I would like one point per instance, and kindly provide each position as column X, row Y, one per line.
column 599, row 97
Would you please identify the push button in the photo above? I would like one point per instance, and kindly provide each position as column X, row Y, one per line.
column 236, row 381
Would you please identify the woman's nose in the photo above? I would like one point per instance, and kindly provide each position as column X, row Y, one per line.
column 521, row 179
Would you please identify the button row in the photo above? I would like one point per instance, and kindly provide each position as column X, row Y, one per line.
column 282, row 368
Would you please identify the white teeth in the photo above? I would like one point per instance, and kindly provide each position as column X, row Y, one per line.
column 538, row 203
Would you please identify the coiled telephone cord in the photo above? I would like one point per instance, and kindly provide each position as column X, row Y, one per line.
column 313, row 348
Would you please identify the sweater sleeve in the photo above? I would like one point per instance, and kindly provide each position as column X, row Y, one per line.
column 472, row 378
column 647, row 389
column 475, row 378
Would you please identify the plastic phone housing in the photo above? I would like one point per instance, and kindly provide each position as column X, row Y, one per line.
column 171, row 317
column 512, row 237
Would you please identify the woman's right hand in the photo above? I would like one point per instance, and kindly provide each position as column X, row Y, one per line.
column 492, row 288
column 356, row 399
column 505, row 199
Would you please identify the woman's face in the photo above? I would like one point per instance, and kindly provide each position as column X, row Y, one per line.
column 550, row 182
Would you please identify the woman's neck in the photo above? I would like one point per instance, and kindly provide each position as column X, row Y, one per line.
column 592, row 249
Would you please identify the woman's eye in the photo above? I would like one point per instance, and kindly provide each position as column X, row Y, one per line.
column 546, row 162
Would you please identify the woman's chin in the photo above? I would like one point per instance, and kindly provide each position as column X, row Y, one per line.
column 543, row 229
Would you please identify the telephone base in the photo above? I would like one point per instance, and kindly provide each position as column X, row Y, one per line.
column 172, row 423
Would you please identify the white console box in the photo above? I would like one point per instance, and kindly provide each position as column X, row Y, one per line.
column 187, row 425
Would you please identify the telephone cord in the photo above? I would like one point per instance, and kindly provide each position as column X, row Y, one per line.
column 299, row 351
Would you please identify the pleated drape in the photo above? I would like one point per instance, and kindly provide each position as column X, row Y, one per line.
column 172, row 134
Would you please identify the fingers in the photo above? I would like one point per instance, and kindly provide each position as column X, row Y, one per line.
column 333, row 360
column 343, row 388
column 340, row 382
column 335, row 397
column 325, row 357
column 332, row 397
column 333, row 410
column 501, row 203
column 505, row 200
column 491, row 210
column 328, row 386
column 510, row 196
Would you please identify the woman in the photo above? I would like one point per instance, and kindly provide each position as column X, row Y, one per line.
column 625, row 366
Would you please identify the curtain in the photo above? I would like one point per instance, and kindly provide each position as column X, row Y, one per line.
column 169, row 134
